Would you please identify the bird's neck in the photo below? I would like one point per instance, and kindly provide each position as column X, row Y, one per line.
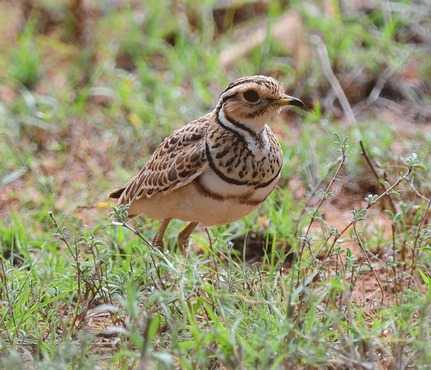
column 252, row 136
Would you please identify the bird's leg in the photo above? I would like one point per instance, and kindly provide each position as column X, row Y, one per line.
column 183, row 237
column 158, row 239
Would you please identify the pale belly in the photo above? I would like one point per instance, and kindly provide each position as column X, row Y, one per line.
column 208, row 201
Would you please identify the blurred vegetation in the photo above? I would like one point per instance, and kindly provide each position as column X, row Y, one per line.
column 88, row 89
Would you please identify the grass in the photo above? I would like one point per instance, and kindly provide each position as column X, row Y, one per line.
column 339, row 279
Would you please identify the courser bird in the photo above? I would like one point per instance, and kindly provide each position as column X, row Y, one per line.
column 217, row 168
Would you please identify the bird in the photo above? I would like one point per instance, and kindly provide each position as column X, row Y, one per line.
column 215, row 169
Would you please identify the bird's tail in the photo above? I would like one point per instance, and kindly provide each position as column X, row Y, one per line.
column 116, row 194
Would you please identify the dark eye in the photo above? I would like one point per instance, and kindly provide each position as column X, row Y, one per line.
column 251, row 96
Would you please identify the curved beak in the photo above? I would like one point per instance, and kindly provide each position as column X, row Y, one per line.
column 287, row 100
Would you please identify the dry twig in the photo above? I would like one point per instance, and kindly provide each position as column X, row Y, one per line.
column 332, row 79
column 365, row 252
column 369, row 205
column 376, row 175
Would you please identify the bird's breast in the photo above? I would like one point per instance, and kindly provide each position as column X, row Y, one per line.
column 211, row 185
column 240, row 166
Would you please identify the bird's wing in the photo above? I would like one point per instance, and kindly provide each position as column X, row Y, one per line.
column 178, row 160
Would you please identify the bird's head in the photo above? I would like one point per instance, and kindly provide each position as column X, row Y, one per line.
column 254, row 101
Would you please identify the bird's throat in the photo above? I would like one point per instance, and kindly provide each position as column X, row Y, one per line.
column 252, row 137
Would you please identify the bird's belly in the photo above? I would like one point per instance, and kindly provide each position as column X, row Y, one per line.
column 206, row 200
column 213, row 183
column 188, row 204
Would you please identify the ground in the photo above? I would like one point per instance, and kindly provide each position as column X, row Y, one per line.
column 332, row 272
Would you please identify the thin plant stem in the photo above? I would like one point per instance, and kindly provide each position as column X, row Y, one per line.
column 376, row 175
column 148, row 243
column 365, row 252
column 369, row 205
column 320, row 204
column 9, row 301
column 418, row 236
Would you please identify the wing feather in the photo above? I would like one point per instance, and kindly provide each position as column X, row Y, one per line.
column 178, row 160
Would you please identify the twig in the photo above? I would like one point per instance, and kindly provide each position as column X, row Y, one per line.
column 313, row 217
column 395, row 262
column 378, row 87
column 79, row 313
column 73, row 253
column 358, row 239
column 140, row 236
column 210, row 241
column 320, row 204
column 376, row 175
column 418, row 235
column 369, row 205
column 136, row 232
column 418, row 193
column 325, row 63
column 422, row 223
column 311, row 196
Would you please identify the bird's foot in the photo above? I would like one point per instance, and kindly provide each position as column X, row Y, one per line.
column 158, row 242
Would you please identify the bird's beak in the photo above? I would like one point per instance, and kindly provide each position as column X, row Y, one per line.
column 287, row 100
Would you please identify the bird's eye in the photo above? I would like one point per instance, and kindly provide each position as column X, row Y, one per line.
column 251, row 96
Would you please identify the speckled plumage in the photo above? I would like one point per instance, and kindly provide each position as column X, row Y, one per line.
column 217, row 168
column 234, row 161
column 177, row 161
